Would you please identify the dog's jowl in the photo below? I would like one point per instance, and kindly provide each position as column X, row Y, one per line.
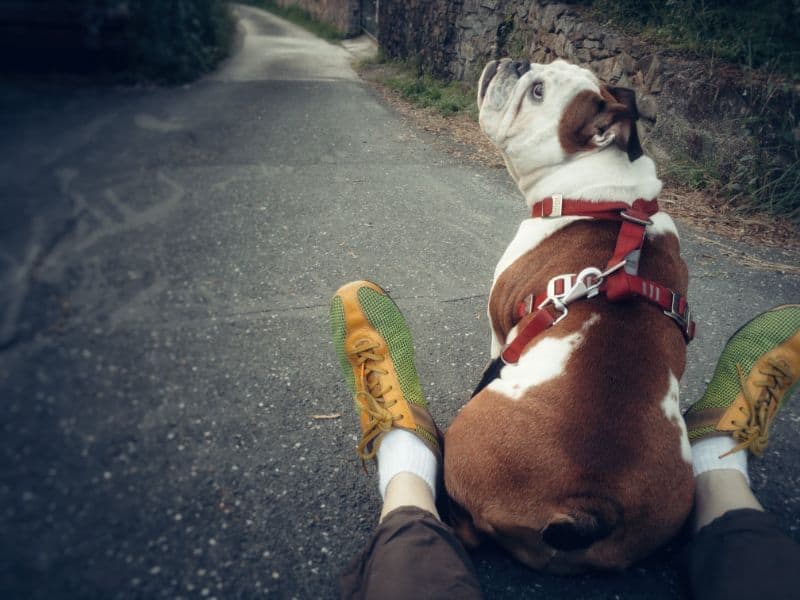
column 574, row 455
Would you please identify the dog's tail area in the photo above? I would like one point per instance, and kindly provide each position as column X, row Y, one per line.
column 582, row 522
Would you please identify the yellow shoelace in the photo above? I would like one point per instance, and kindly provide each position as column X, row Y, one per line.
column 753, row 432
column 370, row 396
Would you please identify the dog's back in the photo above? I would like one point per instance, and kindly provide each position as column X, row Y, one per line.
column 577, row 456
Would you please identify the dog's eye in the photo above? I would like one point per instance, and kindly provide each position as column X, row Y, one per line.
column 537, row 91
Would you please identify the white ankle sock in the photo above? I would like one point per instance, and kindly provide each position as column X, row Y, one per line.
column 706, row 456
column 401, row 450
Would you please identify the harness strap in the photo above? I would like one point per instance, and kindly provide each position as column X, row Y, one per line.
column 623, row 281
column 557, row 206
column 535, row 321
column 630, row 240
column 671, row 302
column 635, row 217
column 527, row 329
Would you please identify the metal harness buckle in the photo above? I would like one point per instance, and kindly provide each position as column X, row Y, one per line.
column 684, row 320
column 587, row 285
column 628, row 217
column 553, row 295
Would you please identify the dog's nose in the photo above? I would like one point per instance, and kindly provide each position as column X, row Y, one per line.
column 521, row 67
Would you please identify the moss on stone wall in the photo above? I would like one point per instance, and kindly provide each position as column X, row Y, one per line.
column 751, row 33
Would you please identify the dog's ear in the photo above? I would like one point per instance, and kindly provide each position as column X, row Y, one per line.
column 595, row 120
column 618, row 124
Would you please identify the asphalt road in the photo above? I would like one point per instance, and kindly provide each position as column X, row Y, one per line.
column 166, row 260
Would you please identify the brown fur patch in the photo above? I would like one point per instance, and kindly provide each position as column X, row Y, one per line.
column 576, row 128
column 590, row 114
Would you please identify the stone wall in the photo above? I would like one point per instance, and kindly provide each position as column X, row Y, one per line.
column 717, row 117
column 344, row 15
column 425, row 30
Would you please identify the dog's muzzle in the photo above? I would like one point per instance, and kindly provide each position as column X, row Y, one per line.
column 521, row 67
column 488, row 74
column 517, row 67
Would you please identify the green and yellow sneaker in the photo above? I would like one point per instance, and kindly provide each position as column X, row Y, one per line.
column 758, row 370
column 376, row 353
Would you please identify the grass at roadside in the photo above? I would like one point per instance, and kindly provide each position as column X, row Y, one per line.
column 421, row 88
column 298, row 16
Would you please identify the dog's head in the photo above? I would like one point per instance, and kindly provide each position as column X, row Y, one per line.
column 542, row 115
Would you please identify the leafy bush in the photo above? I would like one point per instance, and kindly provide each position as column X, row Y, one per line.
column 169, row 41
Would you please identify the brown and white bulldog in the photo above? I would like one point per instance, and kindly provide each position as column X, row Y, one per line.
column 575, row 455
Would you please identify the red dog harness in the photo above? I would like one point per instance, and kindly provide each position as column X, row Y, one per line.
column 619, row 280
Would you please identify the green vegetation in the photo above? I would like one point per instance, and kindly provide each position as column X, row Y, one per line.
column 754, row 33
column 169, row 42
column 683, row 171
column 423, row 89
column 300, row 17
column 766, row 181
column 766, row 176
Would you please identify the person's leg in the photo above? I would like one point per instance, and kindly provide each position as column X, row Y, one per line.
column 738, row 550
column 411, row 553
column 407, row 489
column 720, row 491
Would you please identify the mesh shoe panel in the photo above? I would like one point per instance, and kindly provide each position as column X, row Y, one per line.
column 338, row 333
column 745, row 347
column 386, row 318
